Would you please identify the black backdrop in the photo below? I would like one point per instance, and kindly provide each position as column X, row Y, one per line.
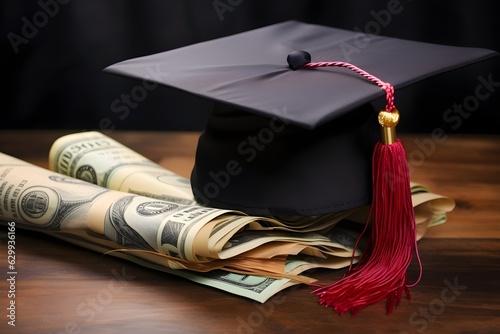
column 53, row 53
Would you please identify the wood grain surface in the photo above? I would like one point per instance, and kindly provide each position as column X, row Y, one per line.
column 61, row 288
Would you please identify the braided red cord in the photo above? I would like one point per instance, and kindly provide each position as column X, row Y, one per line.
column 387, row 87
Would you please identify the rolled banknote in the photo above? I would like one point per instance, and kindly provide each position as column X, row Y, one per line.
column 96, row 158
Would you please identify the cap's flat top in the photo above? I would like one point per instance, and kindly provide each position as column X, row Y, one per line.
column 249, row 70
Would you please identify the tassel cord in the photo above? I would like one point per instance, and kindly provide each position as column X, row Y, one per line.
column 387, row 87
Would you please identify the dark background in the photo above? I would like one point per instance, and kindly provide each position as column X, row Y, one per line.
column 54, row 79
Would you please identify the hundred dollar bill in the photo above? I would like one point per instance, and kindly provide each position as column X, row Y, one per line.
column 96, row 158
column 31, row 195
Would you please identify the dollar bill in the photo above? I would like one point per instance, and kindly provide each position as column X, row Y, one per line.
column 53, row 201
column 98, row 159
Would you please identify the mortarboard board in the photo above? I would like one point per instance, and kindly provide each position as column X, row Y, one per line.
column 290, row 139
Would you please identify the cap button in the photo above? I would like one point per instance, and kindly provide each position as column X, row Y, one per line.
column 297, row 59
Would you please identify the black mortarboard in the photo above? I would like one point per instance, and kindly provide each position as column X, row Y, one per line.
column 289, row 137
column 283, row 141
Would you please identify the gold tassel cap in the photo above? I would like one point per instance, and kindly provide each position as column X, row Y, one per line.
column 388, row 121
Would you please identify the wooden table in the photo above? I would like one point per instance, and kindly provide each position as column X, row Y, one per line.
column 61, row 288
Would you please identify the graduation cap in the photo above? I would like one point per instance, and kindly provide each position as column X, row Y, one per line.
column 294, row 132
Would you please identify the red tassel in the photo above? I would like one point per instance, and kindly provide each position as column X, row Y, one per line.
column 382, row 271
